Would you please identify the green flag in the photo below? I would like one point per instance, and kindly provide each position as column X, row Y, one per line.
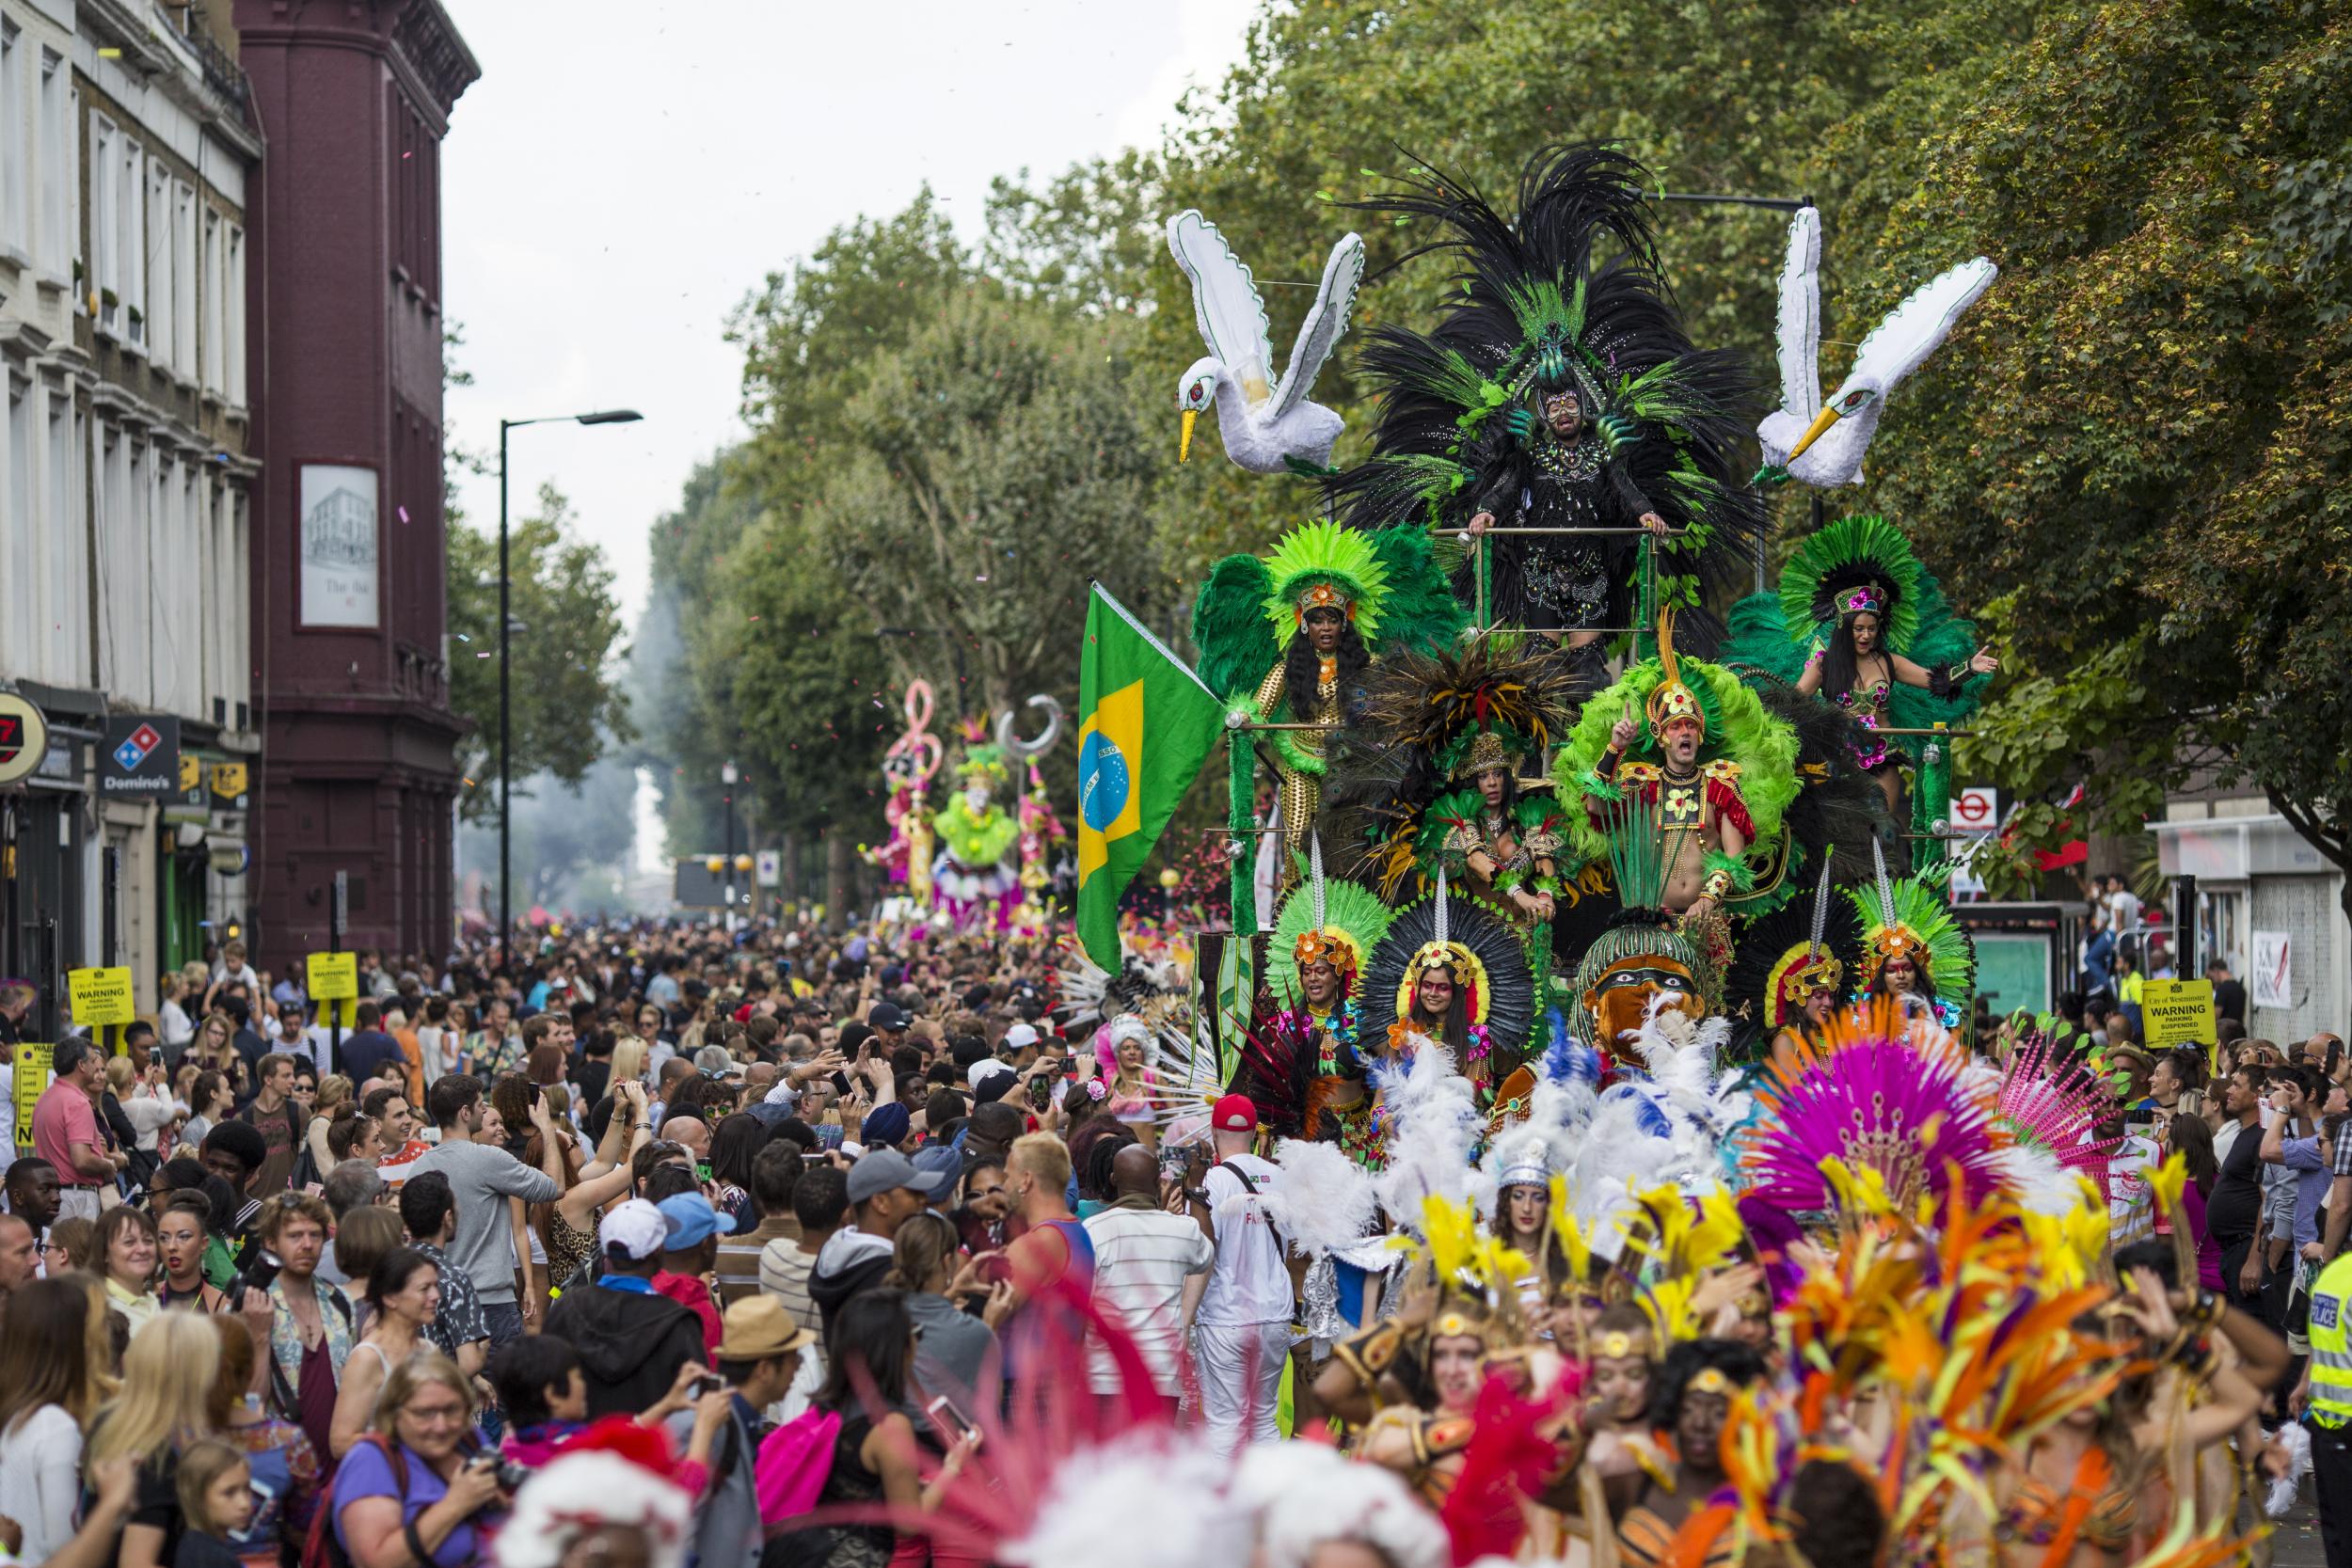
column 1148, row 726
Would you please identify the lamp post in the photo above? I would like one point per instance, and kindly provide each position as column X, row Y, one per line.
column 506, row 870
column 730, row 777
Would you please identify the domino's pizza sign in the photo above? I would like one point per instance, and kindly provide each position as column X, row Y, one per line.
column 141, row 756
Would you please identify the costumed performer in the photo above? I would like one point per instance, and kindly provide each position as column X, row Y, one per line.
column 1912, row 950
column 1559, row 391
column 1790, row 968
column 1859, row 622
column 1286, row 640
column 1448, row 970
column 977, row 884
column 1712, row 800
column 1315, row 962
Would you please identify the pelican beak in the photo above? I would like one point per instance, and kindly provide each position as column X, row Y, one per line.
column 1183, row 441
column 1814, row 432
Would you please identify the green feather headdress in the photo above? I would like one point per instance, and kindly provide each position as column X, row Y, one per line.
column 1909, row 915
column 1323, row 554
column 1850, row 555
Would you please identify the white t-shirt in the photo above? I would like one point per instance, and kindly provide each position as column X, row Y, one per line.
column 1141, row 1260
column 1249, row 1285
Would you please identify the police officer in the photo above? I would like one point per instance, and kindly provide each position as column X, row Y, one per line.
column 2324, row 1396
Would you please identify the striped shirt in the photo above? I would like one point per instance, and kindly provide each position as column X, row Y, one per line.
column 739, row 1256
column 784, row 1271
column 1142, row 1257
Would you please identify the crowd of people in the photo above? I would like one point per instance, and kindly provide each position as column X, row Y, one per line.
column 659, row 1245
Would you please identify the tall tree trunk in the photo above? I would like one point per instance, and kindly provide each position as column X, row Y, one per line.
column 788, row 885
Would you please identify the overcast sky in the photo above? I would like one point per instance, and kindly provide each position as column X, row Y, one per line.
column 625, row 173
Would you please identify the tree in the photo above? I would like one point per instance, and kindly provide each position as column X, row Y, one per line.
column 2139, row 443
column 564, row 705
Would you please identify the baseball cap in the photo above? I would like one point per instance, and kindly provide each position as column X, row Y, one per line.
column 981, row 1071
column 716, row 1061
column 691, row 1220
column 635, row 1227
column 757, row 1329
column 1235, row 1113
column 887, row 1170
column 935, row 1160
column 994, row 1086
column 886, row 1016
column 1021, row 1036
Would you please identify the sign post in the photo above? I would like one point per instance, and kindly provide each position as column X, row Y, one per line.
column 1975, row 810
column 2177, row 1012
column 338, row 916
column 101, row 997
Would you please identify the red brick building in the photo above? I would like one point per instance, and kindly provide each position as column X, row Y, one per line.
column 351, row 680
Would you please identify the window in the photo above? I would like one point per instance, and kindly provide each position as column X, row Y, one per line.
column 18, row 587
column 232, row 336
column 131, row 241
column 66, row 541
column 184, row 275
column 105, row 280
column 15, row 231
column 215, row 302
column 161, row 258
column 60, row 159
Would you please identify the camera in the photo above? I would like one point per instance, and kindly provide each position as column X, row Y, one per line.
column 506, row 1472
column 258, row 1274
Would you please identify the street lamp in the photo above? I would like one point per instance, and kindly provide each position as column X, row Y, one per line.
column 730, row 777
column 506, row 875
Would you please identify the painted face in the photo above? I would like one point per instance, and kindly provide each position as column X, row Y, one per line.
column 1866, row 632
column 1620, row 1385
column 1454, row 1361
column 1320, row 981
column 975, row 795
column 1492, row 785
column 1433, row 993
column 1681, row 741
column 1524, row 1207
column 1323, row 627
column 1565, row 415
column 1901, row 974
column 1618, row 1000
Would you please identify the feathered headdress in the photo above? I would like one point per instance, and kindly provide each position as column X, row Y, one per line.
column 1539, row 312
column 1852, row 565
column 1338, row 921
column 1322, row 565
column 1485, row 956
column 1670, row 700
column 1783, row 958
column 1866, row 1120
column 2051, row 1106
column 1907, row 917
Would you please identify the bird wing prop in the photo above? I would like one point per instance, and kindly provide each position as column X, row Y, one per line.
column 1319, row 334
column 1900, row 343
column 1225, row 302
column 1800, row 335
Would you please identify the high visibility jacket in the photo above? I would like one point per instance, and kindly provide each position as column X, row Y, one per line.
column 2331, row 1360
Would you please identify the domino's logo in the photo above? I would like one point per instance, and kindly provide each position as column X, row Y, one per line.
column 136, row 748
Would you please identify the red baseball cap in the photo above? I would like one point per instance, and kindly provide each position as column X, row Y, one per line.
column 1235, row 1113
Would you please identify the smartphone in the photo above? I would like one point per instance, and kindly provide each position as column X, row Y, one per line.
column 950, row 1420
column 702, row 1172
column 708, row 1384
column 535, row 1094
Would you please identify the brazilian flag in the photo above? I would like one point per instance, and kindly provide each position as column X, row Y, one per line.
column 1148, row 726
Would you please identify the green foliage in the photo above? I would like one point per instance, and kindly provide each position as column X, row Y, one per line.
column 564, row 703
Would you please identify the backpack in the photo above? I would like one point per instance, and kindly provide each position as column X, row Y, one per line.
column 793, row 1466
column 323, row 1548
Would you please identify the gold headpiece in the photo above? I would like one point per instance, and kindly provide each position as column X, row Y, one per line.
column 1616, row 1343
column 1325, row 595
column 1455, row 1323
column 1440, row 954
column 1670, row 698
column 1707, row 1380
column 1321, row 946
column 1487, row 750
